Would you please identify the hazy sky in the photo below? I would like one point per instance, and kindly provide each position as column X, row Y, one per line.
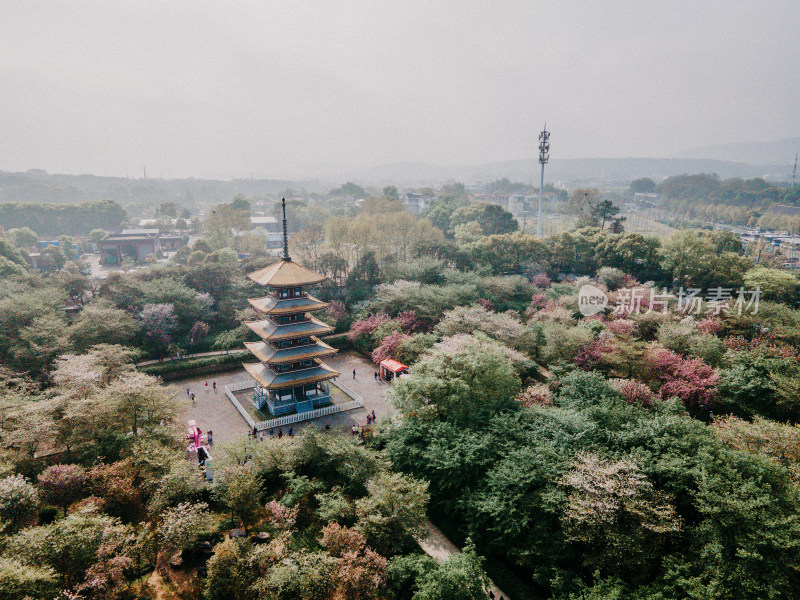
column 230, row 89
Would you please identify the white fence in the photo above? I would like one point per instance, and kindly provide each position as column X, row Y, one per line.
column 238, row 387
column 356, row 402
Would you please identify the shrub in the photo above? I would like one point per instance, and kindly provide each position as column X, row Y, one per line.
column 18, row 501
column 203, row 364
column 676, row 336
column 611, row 277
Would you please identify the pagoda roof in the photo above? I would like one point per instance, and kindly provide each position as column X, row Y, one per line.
column 286, row 273
column 267, row 353
column 270, row 380
column 268, row 330
column 273, row 306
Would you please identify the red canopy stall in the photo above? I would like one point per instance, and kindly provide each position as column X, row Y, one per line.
column 391, row 368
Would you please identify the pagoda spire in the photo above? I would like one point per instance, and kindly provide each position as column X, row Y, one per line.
column 286, row 256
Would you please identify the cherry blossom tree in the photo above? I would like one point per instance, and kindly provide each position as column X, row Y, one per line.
column 614, row 510
column 535, row 395
column 689, row 379
column 62, row 484
column 634, row 392
column 282, row 517
column 388, row 346
column 367, row 326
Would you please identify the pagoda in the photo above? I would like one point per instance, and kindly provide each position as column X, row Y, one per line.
column 290, row 377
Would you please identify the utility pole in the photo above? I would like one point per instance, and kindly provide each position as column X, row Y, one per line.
column 544, row 156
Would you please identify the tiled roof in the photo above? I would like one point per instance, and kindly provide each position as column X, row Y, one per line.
column 271, row 331
column 286, row 273
column 273, row 306
column 268, row 354
column 270, row 380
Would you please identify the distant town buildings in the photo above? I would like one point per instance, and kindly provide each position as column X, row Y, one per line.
column 137, row 244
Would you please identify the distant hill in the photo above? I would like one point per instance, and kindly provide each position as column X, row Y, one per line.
column 776, row 152
column 568, row 171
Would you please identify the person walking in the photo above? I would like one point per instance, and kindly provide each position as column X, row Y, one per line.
column 210, row 438
column 271, row 431
column 215, row 387
column 373, row 416
column 291, row 432
column 188, row 392
column 280, row 433
column 354, row 373
column 192, row 396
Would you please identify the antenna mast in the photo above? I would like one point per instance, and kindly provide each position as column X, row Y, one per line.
column 794, row 171
column 285, row 234
column 544, row 156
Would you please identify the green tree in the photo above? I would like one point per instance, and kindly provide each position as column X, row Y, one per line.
column 643, row 185
column 18, row 580
column 393, row 510
column 239, row 489
column 96, row 235
column 774, row 284
column 23, row 237
column 464, row 379
column 100, row 323
column 390, row 191
column 460, row 577
column 493, row 218
column 19, row 500
column 168, row 209
column 52, row 259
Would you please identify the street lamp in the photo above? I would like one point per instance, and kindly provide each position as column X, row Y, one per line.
column 544, row 156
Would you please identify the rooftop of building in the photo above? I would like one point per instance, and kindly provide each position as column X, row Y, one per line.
column 286, row 273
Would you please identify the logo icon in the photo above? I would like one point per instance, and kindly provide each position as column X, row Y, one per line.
column 591, row 300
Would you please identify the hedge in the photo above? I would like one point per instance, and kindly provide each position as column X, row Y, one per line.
column 189, row 367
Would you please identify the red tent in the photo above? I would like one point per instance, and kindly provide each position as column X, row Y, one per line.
column 391, row 368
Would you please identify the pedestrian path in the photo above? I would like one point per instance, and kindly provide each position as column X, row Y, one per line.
column 436, row 545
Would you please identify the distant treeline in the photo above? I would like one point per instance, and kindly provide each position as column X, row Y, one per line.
column 58, row 219
column 737, row 192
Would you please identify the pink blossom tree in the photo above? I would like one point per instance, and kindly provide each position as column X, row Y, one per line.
column 337, row 310
column 535, row 395
column 281, row 517
column 590, row 355
column 689, row 379
column 367, row 326
column 541, row 281
column 62, row 484
column 388, row 346
column 634, row 392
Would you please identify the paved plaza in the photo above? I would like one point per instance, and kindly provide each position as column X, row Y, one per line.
column 215, row 412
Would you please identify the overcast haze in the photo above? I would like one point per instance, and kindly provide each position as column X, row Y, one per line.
column 271, row 89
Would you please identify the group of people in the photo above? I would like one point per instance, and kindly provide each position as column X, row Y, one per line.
column 192, row 397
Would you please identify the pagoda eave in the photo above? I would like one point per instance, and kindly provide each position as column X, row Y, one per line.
column 272, row 306
column 272, row 356
column 272, row 332
column 269, row 380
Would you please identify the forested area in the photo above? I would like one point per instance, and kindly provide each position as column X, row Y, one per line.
column 748, row 202
column 647, row 451
column 58, row 219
